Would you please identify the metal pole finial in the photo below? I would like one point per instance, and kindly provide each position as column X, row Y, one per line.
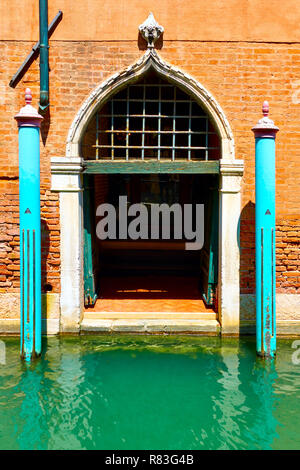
column 265, row 108
column 28, row 96
column 28, row 115
column 265, row 126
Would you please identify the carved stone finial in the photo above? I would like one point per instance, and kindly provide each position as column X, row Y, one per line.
column 151, row 30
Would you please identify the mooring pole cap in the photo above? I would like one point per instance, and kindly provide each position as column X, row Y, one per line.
column 28, row 115
column 265, row 128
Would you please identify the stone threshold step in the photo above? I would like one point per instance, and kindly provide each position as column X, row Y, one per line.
column 211, row 327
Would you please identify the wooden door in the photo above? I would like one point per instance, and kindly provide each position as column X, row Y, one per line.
column 90, row 245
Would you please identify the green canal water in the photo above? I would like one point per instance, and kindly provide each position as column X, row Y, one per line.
column 162, row 392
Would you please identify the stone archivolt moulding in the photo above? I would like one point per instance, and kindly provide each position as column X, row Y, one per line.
column 150, row 59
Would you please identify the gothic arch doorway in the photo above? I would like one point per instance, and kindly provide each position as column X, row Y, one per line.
column 215, row 156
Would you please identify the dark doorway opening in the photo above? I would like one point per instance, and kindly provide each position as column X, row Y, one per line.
column 151, row 275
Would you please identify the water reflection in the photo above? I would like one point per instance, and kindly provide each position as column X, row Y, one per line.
column 245, row 402
column 149, row 393
column 63, row 410
column 230, row 399
column 31, row 413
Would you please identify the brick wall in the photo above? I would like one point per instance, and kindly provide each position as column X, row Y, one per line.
column 288, row 256
column 9, row 236
column 50, row 234
column 240, row 75
column 10, row 240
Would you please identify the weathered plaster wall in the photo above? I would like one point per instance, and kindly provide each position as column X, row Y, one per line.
column 238, row 71
column 190, row 20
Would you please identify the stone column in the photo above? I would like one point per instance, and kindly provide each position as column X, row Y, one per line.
column 67, row 180
column 229, row 251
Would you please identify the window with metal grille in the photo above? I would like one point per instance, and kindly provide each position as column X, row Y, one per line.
column 151, row 119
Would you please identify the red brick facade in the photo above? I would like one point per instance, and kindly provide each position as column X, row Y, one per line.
column 240, row 75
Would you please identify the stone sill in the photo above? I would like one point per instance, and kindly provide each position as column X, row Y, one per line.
column 147, row 326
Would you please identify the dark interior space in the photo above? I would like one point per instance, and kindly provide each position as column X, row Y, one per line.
column 147, row 265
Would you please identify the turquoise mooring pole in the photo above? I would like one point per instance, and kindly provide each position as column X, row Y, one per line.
column 265, row 133
column 29, row 122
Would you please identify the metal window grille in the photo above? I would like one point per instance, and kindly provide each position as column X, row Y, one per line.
column 153, row 120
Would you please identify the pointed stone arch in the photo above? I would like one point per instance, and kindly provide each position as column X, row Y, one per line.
column 149, row 60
